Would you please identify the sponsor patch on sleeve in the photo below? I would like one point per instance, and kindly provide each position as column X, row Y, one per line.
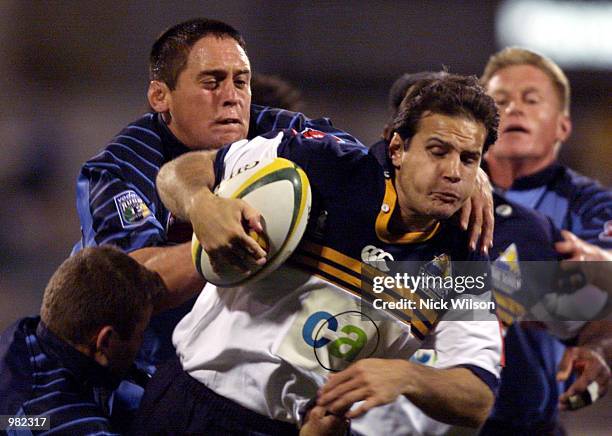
column 317, row 134
column 131, row 208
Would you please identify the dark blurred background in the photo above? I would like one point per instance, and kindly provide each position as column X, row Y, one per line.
column 74, row 73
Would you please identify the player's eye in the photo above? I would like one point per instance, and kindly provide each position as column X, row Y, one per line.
column 437, row 151
column 469, row 160
column 210, row 84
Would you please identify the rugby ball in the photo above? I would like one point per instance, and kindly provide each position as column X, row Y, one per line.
column 280, row 190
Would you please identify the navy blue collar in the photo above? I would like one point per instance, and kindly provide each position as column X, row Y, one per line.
column 86, row 370
column 171, row 146
column 535, row 180
column 541, row 178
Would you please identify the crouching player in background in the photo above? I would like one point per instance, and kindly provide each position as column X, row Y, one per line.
column 66, row 364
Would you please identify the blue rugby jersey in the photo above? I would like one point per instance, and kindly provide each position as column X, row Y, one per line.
column 117, row 202
column 529, row 392
column 42, row 375
column 116, row 198
column 573, row 201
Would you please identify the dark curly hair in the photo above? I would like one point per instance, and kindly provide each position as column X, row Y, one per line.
column 452, row 95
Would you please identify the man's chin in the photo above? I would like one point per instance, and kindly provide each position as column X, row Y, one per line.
column 220, row 140
column 443, row 213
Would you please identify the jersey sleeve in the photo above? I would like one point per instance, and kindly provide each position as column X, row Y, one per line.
column 114, row 210
column 590, row 215
column 469, row 334
column 265, row 119
column 476, row 345
column 327, row 161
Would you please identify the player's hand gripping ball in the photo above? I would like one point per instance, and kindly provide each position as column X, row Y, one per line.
column 280, row 190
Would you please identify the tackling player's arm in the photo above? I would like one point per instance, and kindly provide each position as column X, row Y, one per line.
column 476, row 214
column 455, row 395
column 174, row 265
column 185, row 187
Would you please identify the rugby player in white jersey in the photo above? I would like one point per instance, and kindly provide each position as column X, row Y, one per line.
column 255, row 357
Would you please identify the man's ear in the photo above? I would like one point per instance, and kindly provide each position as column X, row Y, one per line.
column 564, row 127
column 396, row 146
column 104, row 340
column 159, row 96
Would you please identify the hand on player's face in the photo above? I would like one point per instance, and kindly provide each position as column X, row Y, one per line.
column 477, row 214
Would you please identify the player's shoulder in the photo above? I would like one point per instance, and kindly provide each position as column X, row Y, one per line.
column 528, row 230
column 509, row 212
column 573, row 182
column 139, row 145
column 146, row 131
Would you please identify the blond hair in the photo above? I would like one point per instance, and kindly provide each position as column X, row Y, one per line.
column 520, row 56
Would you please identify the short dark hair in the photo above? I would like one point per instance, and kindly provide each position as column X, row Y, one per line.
column 273, row 91
column 398, row 92
column 98, row 286
column 170, row 51
column 452, row 95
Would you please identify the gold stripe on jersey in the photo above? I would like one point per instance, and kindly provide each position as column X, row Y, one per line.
column 346, row 273
column 384, row 216
column 507, row 309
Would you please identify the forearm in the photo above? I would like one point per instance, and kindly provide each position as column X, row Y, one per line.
column 454, row 396
column 181, row 181
column 597, row 335
column 174, row 265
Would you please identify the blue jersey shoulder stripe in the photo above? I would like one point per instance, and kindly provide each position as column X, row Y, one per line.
column 295, row 118
column 136, row 170
column 101, row 187
column 139, row 142
column 279, row 115
column 144, row 129
column 51, row 383
column 140, row 158
column 261, row 115
column 107, row 165
column 102, row 206
column 50, row 372
column 74, row 422
column 70, row 406
column 41, row 398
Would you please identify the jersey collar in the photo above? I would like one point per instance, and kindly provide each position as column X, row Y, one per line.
column 384, row 217
column 85, row 368
column 172, row 147
column 535, row 180
column 541, row 178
